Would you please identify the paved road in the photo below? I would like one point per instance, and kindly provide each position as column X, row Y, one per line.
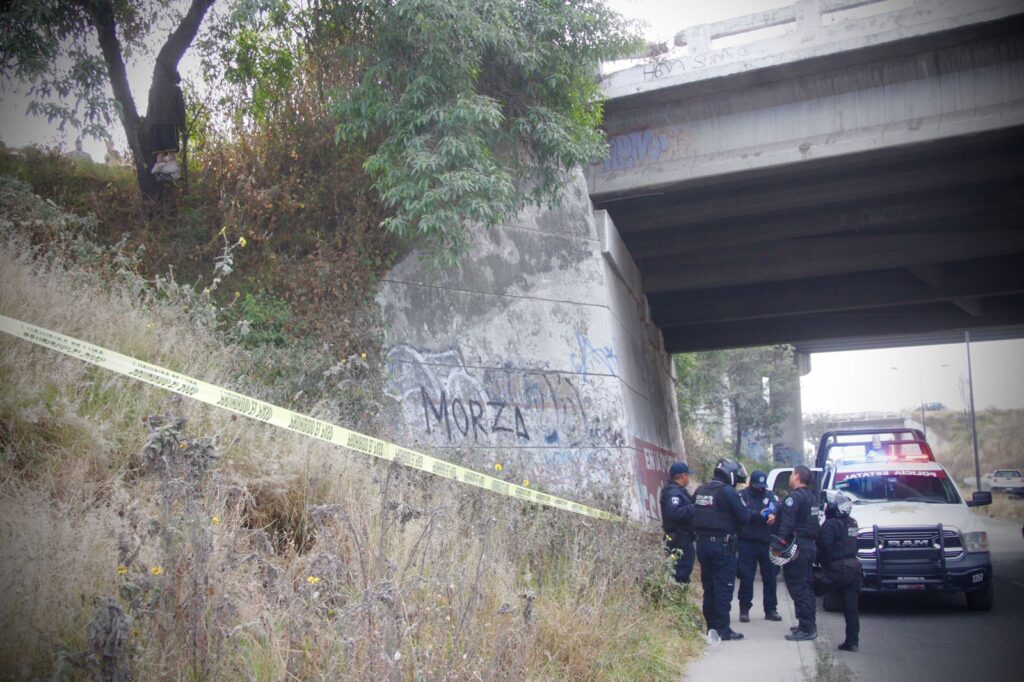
column 934, row 637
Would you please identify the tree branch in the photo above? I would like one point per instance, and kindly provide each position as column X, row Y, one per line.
column 181, row 38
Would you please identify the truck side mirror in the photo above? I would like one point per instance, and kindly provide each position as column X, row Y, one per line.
column 980, row 498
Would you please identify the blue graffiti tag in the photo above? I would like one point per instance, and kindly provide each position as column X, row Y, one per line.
column 589, row 356
column 634, row 149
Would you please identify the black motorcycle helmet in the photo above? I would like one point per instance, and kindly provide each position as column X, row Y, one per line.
column 730, row 472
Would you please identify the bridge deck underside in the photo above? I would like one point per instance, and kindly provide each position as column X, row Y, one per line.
column 911, row 241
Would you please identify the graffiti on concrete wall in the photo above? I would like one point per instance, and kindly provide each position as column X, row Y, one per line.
column 587, row 358
column 667, row 67
column 651, row 464
column 447, row 402
column 557, row 429
column 633, row 149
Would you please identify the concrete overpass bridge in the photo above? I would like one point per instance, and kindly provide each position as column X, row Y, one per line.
column 836, row 173
column 833, row 174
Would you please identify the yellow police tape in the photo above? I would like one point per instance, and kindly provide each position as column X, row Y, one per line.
column 279, row 416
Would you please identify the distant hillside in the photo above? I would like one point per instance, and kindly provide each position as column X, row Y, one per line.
column 1000, row 440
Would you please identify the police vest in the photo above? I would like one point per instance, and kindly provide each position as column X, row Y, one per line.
column 847, row 545
column 712, row 515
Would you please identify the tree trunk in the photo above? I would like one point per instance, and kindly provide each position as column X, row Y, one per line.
column 136, row 128
column 739, row 429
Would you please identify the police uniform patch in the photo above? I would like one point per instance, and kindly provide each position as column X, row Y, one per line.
column 789, row 501
column 765, row 501
column 675, row 500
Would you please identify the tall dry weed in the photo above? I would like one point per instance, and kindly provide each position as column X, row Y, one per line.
column 149, row 534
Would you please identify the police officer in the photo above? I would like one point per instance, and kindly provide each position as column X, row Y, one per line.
column 677, row 519
column 754, row 538
column 719, row 513
column 841, row 569
column 798, row 522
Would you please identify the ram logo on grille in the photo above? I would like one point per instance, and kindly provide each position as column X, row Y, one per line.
column 908, row 544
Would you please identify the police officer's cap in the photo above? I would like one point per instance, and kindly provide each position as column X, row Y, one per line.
column 677, row 469
column 758, row 479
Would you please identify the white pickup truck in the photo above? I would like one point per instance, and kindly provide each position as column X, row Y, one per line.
column 915, row 531
column 1008, row 481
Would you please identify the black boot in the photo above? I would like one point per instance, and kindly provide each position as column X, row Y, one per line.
column 846, row 646
column 802, row 636
column 772, row 615
column 744, row 615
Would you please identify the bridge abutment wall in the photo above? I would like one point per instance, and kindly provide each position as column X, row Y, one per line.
column 538, row 354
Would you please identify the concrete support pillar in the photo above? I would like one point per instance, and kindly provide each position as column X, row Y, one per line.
column 538, row 354
column 789, row 446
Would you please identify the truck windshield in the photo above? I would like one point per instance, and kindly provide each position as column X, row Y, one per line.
column 882, row 486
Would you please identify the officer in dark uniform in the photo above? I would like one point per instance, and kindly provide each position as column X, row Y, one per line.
column 798, row 523
column 754, row 538
column 719, row 514
column 677, row 519
column 841, row 569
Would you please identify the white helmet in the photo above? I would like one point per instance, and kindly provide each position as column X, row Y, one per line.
column 838, row 504
column 780, row 553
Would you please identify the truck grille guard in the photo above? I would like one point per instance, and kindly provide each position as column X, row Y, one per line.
column 886, row 556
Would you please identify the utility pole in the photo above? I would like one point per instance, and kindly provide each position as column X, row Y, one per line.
column 974, row 426
column 924, row 422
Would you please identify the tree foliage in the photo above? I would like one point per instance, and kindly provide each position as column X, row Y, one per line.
column 475, row 108
column 718, row 385
column 71, row 51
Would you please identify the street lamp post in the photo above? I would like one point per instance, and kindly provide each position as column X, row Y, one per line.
column 920, row 388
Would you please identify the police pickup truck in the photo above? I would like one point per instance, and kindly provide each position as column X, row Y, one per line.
column 915, row 529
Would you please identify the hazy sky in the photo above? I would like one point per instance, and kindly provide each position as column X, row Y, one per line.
column 897, row 378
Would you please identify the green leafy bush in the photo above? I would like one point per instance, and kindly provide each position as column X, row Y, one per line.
column 260, row 319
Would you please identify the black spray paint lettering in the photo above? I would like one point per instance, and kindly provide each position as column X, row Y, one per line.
column 468, row 417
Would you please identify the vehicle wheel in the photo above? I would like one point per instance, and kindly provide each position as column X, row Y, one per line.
column 833, row 602
column 981, row 600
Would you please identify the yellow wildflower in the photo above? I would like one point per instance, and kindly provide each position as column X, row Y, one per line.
column 362, row 355
column 237, row 294
column 183, row 444
column 242, row 242
column 216, row 520
column 526, row 483
column 156, row 570
column 312, row 580
column 222, row 231
column 122, row 570
column 498, row 467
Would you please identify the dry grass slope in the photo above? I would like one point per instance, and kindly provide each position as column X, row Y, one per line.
column 145, row 536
